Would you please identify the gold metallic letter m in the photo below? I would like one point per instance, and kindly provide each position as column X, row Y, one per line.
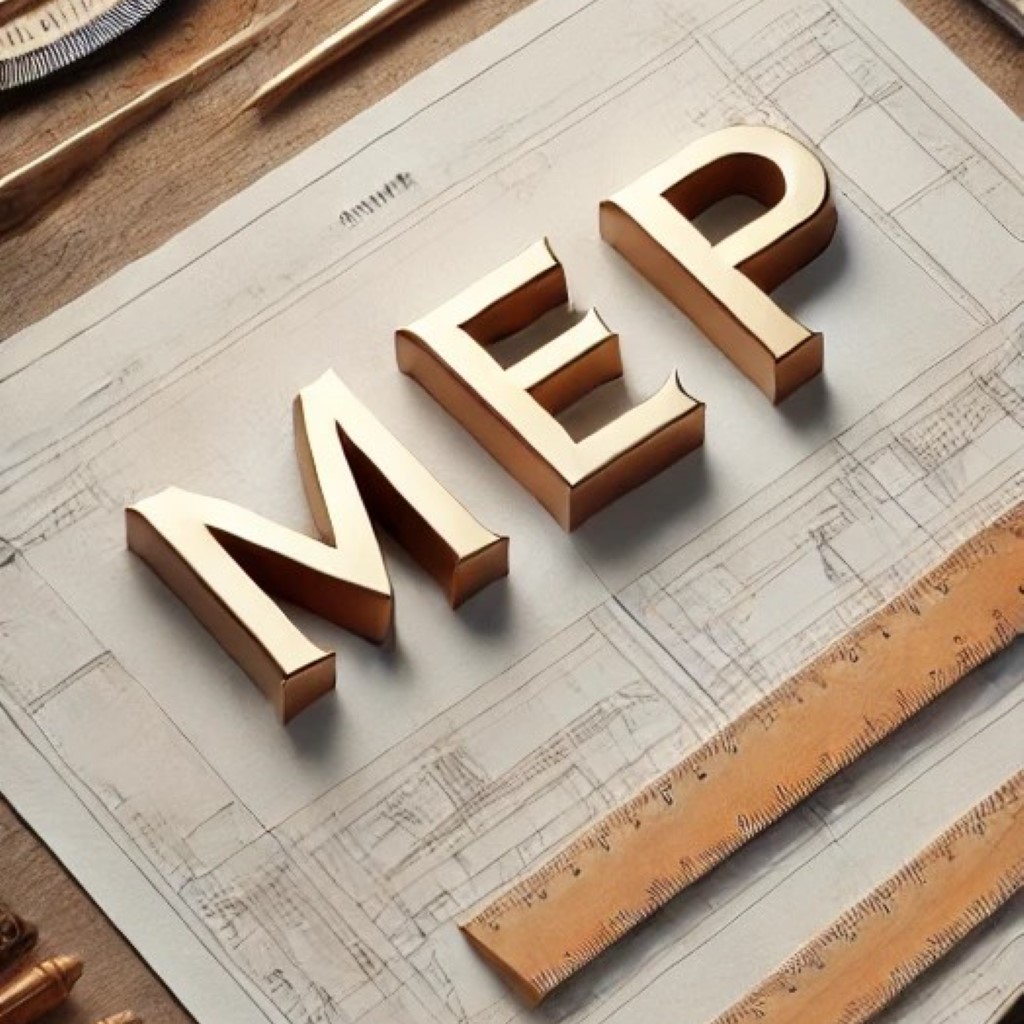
column 221, row 560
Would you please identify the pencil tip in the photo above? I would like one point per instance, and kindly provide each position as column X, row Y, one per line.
column 254, row 102
column 235, row 115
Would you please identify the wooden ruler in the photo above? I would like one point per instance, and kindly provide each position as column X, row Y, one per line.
column 677, row 828
column 877, row 948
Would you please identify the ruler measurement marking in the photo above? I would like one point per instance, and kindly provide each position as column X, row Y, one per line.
column 774, row 755
column 872, row 952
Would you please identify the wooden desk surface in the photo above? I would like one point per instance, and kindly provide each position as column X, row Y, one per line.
column 165, row 176
column 194, row 156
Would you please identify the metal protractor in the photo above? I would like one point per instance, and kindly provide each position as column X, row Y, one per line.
column 39, row 37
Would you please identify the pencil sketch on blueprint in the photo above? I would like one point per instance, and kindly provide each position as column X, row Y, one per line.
column 329, row 890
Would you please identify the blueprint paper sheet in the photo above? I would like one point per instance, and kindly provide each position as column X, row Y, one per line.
column 316, row 873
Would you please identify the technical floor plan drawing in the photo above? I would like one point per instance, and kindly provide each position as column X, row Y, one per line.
column 318, row 873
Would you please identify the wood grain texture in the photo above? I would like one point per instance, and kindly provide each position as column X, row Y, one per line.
column 33, row 883
column 145, row 198
column 12, row 8
column 867, row 957
column 194, row 156
column 33, row 185
column 981, row 41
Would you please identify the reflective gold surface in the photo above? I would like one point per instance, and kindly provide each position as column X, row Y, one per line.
column 510, row 411
column 37, row 990
column 221, row 560
column 723, row 287
column 335, row 433
column 224, row 561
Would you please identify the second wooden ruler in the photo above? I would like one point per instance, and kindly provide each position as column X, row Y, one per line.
column 676, row 829
column 868, row 956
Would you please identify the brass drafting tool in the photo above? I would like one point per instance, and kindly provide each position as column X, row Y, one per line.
column 869, row 955
column 677, row 828
column 24, row 190
column 349, row 37
column 38, row 990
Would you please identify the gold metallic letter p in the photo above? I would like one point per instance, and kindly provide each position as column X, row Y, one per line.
column 722, row 287
column 511, row 412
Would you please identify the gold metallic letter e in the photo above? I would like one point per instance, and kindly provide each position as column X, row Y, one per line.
column 511, row 412
column 722, row 287
column 222, row 560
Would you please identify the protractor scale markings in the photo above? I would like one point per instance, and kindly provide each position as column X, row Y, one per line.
column 39, row 37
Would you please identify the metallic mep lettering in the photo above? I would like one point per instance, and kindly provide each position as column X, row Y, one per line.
column 511, row 412
column 463, row 556
column 722, row 286
column 222, row 560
